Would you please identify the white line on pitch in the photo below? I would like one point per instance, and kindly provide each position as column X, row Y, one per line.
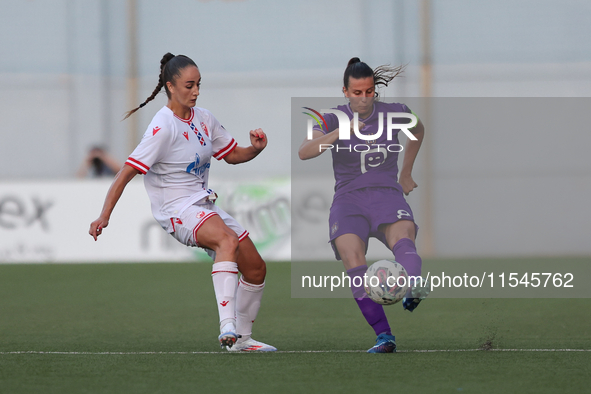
column 297, row 351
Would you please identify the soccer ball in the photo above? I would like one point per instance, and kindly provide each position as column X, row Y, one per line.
column 387, row 282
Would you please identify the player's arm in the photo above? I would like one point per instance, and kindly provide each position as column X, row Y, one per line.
column 314, row 147
column 121, row 180
column 410, row 154
column 258, row 141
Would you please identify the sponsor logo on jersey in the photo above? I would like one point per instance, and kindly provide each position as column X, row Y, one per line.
column 200, row 214
column 155, row 130
column 373, row 158
column 204, row 127
column 186, row 135
column 196, row 168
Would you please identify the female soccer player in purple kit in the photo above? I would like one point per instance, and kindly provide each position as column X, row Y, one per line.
column 369, row 200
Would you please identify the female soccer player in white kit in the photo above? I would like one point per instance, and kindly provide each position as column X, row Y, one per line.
column 174, row 155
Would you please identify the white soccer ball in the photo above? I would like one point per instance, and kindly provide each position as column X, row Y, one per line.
column 386, row 282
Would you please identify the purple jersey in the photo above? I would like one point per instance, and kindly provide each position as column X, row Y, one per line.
column 357, row 163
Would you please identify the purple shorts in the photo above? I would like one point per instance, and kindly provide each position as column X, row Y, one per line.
column 362, row 211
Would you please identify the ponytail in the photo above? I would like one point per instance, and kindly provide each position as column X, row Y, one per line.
column 170, row 68
column 382, row 75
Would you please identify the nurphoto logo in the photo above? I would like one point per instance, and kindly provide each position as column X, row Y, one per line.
column 371, row 139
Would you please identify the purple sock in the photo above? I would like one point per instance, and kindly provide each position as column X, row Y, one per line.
column 373, row 313
column 405, row 253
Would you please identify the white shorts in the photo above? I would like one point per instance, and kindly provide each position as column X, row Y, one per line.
column 185, row 227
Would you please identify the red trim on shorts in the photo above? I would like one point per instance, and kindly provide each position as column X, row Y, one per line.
column 201, row 224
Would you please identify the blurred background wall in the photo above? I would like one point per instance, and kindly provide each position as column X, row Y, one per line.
column 69, row 70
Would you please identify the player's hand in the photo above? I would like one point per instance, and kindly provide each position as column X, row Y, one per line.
column 407, row 183
column 360, row 125
column 258, row 139
column 96, row 227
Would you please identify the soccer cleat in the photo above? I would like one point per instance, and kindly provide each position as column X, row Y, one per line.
column 250, row 345
column 228, row 339
column 415, row 296
column 385, row 343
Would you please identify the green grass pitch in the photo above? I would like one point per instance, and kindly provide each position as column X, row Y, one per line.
column 136, row 309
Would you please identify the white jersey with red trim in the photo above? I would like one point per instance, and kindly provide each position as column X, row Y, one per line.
column 174, row 155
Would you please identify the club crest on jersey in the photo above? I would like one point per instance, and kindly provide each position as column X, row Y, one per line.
column 204, row 127
column 155, row 130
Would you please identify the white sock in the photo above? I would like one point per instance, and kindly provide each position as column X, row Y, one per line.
column 225, row 280
column 248, row 302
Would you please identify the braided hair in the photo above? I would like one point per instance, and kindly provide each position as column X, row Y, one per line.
column 382, row 75
column 170, row 69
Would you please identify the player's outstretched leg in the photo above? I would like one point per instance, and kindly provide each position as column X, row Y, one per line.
column 405, row 253
column 419, row 290
column 248, row 297
column 225, row 278
column 374, row 313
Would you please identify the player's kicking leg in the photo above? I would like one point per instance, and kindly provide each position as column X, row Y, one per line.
column 400, row 237
column 418, row 291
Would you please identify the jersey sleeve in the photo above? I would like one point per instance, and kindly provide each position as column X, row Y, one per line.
column 222, row 142
column 153, row 147
column 329, row 122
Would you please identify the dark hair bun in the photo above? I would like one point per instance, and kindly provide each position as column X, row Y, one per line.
column 353, row 61
column 165, row 59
